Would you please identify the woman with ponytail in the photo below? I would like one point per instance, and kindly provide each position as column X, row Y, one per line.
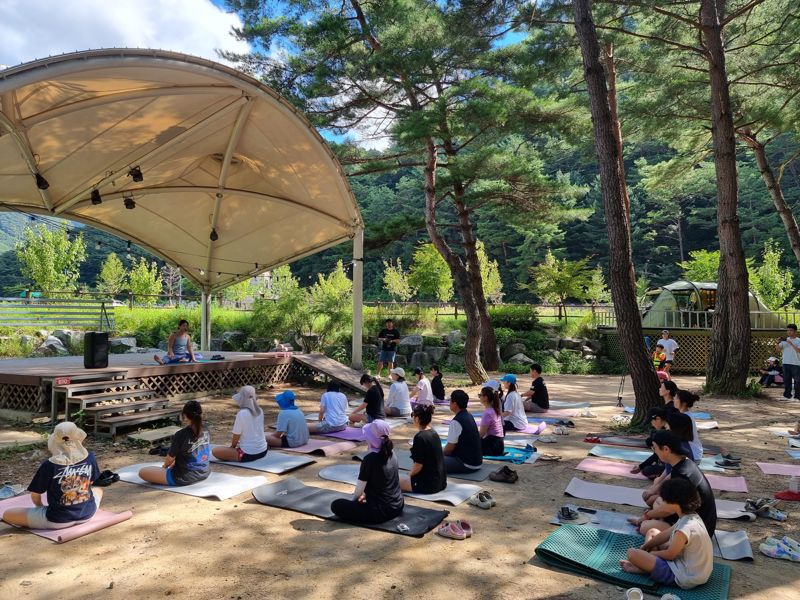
column 377, row 497
column 427, row 475
column 248, row 442
column 491, row 425
column 371, row 409
column 187, row 460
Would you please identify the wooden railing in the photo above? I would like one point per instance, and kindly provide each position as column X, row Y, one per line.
column 82, row 313
column 699, row 319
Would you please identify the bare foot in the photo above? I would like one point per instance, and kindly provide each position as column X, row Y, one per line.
column 157, row 358
column 634, row 521
column 629, row 567
column 636, row 470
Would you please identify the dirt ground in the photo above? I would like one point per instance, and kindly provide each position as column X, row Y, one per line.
column 184, row 547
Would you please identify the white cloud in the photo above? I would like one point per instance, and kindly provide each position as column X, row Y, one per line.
column 31, row 29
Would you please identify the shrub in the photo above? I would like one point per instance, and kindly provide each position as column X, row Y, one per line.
column 518, row 318
column 504, row 335
column 534, row 341
column 549, row 364
column 456, row 349
column 515, row 368
column 432, row 340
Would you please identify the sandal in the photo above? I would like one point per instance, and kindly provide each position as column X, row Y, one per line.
column 592, row 440
column 451, row 531
column 776, row 515
column 465, row 527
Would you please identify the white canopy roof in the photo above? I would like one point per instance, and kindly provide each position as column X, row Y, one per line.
column 218, row 150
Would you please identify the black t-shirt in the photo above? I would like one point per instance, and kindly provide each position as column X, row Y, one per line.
column 468, row 448
column 688, row 470
column 388, row 335
column 437, row 387
column 374, row 400
column 68, row 489
column 427, row 451
column 383, row 482
column 191, row 455
column 540, row 395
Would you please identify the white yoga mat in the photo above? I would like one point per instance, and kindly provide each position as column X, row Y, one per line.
column 617, row 494
column 274, row 462
column 567, row 405
column 706, row 425
column 218, row 485
column 454, row 493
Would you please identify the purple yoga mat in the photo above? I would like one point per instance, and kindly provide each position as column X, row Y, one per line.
column 608, row 467
column 779, row 469
column 352, row 434
column 532, row 428
column 326, row 447
column 100, row 520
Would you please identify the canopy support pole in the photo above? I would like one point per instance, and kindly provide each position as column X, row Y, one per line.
column 205, row 322
column 358, row 297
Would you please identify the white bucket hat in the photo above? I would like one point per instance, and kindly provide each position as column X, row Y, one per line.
column 66, row 444
column 399, row 371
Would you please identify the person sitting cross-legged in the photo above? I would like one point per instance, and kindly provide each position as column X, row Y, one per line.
column 462, row 454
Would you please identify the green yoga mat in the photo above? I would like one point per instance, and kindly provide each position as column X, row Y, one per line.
column 596, row 553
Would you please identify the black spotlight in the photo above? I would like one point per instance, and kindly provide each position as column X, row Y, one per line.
column 96, row 199
column 214, row 235
column 41, row 182
column 136, row 174
column 130, row 204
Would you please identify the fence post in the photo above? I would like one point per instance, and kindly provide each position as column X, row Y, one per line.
column 130, row 299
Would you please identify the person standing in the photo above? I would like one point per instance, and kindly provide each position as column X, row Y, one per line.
column 389, row 337
column 670, row 348
column 790, row 346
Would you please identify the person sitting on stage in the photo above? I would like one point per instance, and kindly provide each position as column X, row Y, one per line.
column 427, row 474
column 248, row 442
column 291, row 430
column 187, row 459
column 332, row 411
column 66, row 477
column 179, row 347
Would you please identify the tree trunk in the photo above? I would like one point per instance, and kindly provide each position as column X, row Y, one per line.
column 622, row 278
column 775, row 190
column 729, row 350
column 461, row 280
column 611, row 79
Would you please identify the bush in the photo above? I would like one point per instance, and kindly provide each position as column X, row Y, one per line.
column 431, row 340
column 456, row 349
column 504, row 335
column 150, row 326
column 518, row 318
column 549, row 364
column 574, row 363
column 607, row 366
column 534, row 341
column 515, row 368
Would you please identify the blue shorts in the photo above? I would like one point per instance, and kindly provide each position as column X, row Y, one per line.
column 387, row 356
column 661, row 573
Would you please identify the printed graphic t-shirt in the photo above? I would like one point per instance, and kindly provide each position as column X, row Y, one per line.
column 388, row 335
column 191, row 456
column 68, row 489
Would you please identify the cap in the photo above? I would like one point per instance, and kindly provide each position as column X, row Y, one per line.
column 665, row 331
column 509, row 378
column 492, row 383
column 399, row 371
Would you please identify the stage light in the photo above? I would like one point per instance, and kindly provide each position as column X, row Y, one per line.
column 96, row 199
column 214, row 235
column 130, row 204
column 41, row 182
column 136, row 174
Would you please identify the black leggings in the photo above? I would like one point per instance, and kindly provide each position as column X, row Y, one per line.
column 492, row 445
column 362, row 512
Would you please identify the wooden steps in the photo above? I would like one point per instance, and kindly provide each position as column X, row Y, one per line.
column 107, row 426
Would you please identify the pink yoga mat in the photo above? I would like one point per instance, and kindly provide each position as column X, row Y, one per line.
column 326, row 447
column 608, row 467
column 100, row 520
column 779, row 469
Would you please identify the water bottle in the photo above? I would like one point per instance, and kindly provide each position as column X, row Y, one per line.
column 793, row 484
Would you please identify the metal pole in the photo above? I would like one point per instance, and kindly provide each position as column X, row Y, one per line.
column 205, row 321
column 358, row 297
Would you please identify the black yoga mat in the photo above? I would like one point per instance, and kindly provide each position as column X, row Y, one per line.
column 292, row 494
column 405, row 463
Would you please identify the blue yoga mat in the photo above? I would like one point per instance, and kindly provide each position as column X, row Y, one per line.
column 514, row 455
column 703, row 416
column 637, row 456
column 794, row 454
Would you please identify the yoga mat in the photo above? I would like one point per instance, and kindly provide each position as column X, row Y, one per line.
column 607, row 467
column 356, row 434
column 794, row 454
column 706, row 425
column 405, row 463
column 694, row 414
column 596, row 553
column 561, row 404
column 637, row 456
column 218, row 485
column 532, row 429
column 274, row 462
column 794, row 442
column 730, row 545
column 779, row 469
column 639, row 442
column 454, row 493
column 100, row 520
column 617, row 494
column 512, row 455
column 291, row 494
column 322, row 447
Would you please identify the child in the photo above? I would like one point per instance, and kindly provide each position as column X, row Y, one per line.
column 377, row 497
column 66, row 477
column 681, row 425
column 684, row 400
column 682, row 554
column 537, row 398
column 248, row 442
column 427, row 474
column 771, row 373
column 514, row 418
column 491, row 425
column 398, row 404
column 332, row 411
column 372, row 406
column 652, row 467
column 437, row 387
column 422, row 392
column 291, row 429
column 187, row 459
column 659, row 357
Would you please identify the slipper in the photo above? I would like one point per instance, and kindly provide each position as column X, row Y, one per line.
column 465, row 527
column 451, row 531
column 776, row 515
column 546, row 439
column 779, row 550
column 592, row 440
column 480, row 501
column 106, row 478
column 792, row 544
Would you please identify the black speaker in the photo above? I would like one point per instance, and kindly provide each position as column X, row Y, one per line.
column 95, row 350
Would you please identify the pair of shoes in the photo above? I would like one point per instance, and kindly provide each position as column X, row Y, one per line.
column 776, row 515
column 546, row 439
column 569, row 424
column 482, row 500
column 106, row 478
column 728, row 464
column 785, row 548
column 453, row 530
column 560, row 430
column 731, row 457
column 567, row 514
column 760, row 505
column 504, row 475
column 591, row 439
column 587, row 414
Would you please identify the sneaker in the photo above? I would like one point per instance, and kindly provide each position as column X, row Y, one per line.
column 451, row 531
column 489, row 497
column 480, row 501
column 760, row 505
column 779, row 550
column 776, row 515
column 504, row 475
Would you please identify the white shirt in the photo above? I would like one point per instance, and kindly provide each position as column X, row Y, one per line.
column 399, row 398
column 513, row 404
column 693, row 566
column 424, row 392
column 453, row 432
column 335, row 406
column 670, row 346
column 250, row 430
column 791, row 351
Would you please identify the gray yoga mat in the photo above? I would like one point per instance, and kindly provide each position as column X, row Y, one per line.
column 291, row 494
column 454, row 493
column 405, row 463
column 218, row 485
column 560, row 404
column 274, row 462
column 730, row 545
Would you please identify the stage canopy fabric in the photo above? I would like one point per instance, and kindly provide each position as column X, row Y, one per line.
column 221, row 155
